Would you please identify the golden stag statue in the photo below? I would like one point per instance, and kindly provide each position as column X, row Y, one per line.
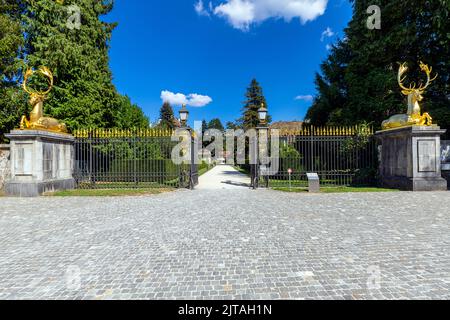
column 414, row 115
column 37, row 119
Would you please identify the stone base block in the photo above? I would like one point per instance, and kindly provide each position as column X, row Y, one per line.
column 410, row 158
column 35, row 189
column 415, row 184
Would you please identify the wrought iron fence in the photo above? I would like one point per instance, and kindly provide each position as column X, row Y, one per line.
column 342, row 156
column 445, row 152
column 109, row 158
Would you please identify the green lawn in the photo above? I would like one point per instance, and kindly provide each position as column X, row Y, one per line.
column 338, row 189
column 107, row 192
column 203, row 171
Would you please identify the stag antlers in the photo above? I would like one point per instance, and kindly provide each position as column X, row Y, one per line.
column 412, row 87
column 45, row 72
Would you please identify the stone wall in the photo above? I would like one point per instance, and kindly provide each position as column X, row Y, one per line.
column 4, row 164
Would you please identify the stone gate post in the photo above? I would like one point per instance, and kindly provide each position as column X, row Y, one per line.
column 411, row 158
column 41, row 161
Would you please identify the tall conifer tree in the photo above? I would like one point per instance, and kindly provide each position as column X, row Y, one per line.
column 167, row 117
column 255, row 99
column 72, row 40
column 358, row 81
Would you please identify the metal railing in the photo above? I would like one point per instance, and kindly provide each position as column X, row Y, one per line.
column 342, row 156
column 109, row 158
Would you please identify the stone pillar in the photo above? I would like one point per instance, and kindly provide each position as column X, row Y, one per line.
column 410, row 158
column 41, row 161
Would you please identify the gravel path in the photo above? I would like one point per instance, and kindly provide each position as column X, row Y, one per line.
column 222, row 244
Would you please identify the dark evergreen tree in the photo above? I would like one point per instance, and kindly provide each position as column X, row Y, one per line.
column 328, row 105
column 166, row 116
column 255, row 99
column 83, row 95
column 232, row 125
column 216, row 124
column 358, row 81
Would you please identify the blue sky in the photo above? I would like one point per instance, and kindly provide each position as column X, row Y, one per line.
column 216, row 50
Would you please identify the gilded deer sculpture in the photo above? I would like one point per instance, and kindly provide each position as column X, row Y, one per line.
column 415, row 95
column 37, row 119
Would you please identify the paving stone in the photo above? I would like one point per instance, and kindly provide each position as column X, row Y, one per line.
column 227, row 244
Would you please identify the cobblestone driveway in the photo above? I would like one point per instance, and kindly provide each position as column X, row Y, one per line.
column 227, row 244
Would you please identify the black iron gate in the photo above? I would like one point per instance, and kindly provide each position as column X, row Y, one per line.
column 341, row 156
column 109, row 158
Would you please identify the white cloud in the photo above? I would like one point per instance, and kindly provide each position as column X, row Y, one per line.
column 200, row 8
column 328, row 33
column 197, row 100
column 241, row 14
column 193, row 99
column 173, row 98
column 329, row 47
column 307, row 98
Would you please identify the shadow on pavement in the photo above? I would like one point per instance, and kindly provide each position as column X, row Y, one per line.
column 237, row 184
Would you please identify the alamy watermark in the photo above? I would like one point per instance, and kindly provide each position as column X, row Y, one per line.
column 74, row 20
column 254, row 146
column 74, row 16
column 73, row 278
column 374, row 279
column 374, row 20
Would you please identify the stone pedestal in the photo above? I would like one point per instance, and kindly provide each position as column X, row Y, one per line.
column 410, row 158
column 41, row 162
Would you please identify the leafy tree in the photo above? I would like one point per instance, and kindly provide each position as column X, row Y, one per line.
column 12, row 102
column 358, row 80
column 290, row 158
column 166, row 115
column 131, row 116
column 216, row 124
column 255, row 99
column 11, row 40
